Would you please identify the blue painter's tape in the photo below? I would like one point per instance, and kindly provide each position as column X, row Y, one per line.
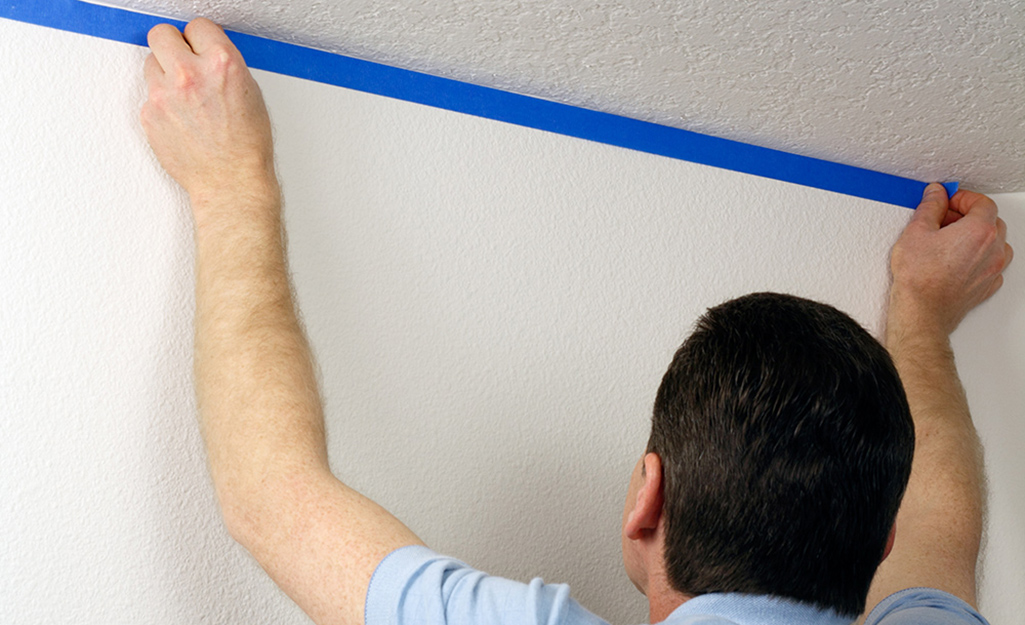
column 342, row 71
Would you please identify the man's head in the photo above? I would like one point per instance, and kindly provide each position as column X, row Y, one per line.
column 784, row 441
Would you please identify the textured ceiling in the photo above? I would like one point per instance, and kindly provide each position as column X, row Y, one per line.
column 928, row 90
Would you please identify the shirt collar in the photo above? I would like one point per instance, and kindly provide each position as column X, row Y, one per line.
column 744, row 609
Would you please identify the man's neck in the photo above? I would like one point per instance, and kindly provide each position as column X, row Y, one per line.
column 663, row 599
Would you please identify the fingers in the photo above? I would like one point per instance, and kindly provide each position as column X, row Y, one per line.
column 997, row 283
column 979, row 205
column 952, row 216
column 1002, row 239
column 151, row 69
column 168, row 46
column 202, row 35
column 999, row 251
column 933, row 208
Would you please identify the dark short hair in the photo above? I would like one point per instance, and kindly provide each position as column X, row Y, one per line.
column 786, row 445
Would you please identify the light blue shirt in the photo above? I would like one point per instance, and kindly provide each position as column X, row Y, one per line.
column 415, row 586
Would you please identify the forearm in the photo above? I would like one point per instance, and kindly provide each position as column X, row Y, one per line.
column 942, row 511
column 260, row 412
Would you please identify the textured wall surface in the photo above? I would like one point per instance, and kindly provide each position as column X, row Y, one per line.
column 492, row 308
column 928, row 90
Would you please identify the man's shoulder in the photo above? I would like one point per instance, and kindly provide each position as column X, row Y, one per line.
column 924, row 606
column 416, row 586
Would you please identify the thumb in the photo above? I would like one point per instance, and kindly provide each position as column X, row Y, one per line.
column 933, row 207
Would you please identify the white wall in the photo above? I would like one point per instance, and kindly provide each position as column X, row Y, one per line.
column 492, row 308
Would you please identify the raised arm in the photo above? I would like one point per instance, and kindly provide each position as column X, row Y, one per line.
column 259, row 405
column 948, row 260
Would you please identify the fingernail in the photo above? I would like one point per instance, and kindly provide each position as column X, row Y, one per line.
column 934, row 187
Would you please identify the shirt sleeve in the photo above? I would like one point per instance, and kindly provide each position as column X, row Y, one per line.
column 924, row 606
column 416, row 586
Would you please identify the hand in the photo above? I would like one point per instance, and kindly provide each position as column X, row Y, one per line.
column 205, row 117
column 948, row 260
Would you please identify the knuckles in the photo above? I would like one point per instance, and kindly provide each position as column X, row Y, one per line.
column 185, row 78
column 222, row 58
column 215, row 67
column 986, row 235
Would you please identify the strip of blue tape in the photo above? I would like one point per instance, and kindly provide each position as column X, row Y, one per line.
column 283, row 58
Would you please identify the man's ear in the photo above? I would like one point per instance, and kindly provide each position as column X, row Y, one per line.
column 889, row 540
column 647, row 511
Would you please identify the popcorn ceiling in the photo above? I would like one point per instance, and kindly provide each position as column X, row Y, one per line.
column 926, row 90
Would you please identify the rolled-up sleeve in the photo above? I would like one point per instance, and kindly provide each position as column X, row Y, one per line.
column 924, row 606
column 416, row 586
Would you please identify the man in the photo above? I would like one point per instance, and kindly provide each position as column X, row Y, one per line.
column 322, row 542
